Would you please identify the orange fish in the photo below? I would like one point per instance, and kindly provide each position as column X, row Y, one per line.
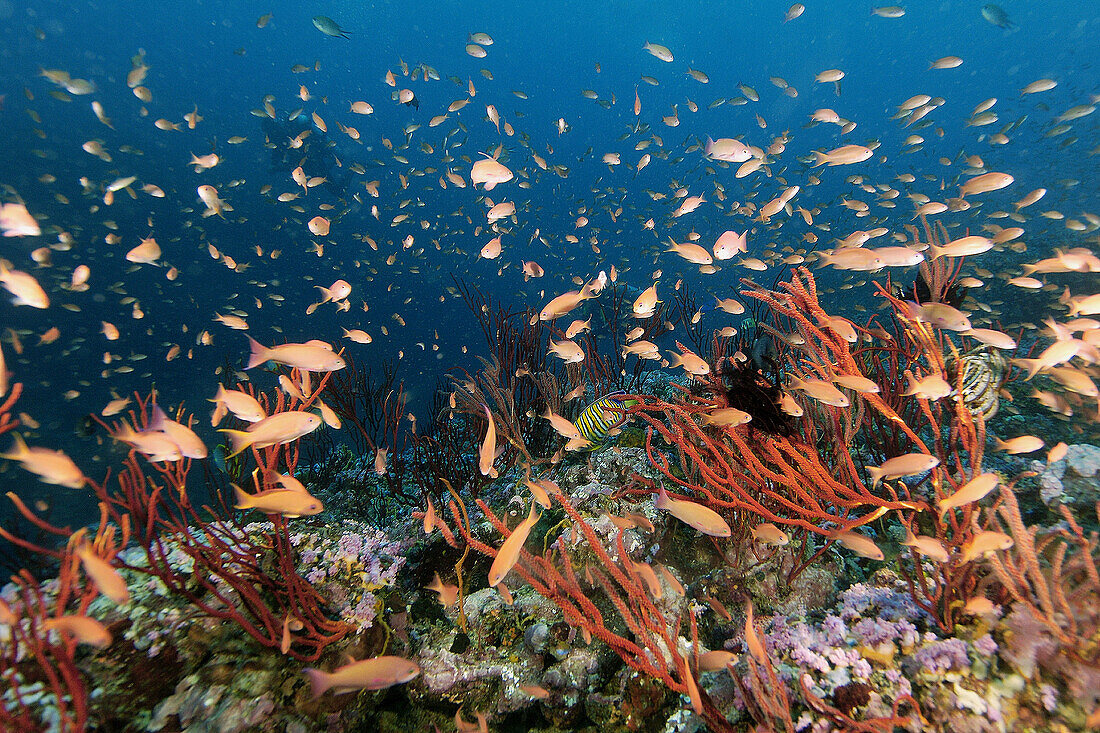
column 985, row 543
column 927, row 546
column 488, row 450
column 243, row 406
column 910, row 464
column 971, row 491
column 508, row 554
column 107, row 580
column 702, row 518
column 822, row 391
column 189, row 444
column 282, row 427
column 448, row 594
column 16, row 221
column 289, row 503
column 859, row 544
column 51, row 466
column 489, row 173
column 844, row 155
column 312, row 356
column 24, row 287
column 367, row 674
column 85, row 629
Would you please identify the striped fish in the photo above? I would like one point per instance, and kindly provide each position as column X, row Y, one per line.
column 601, row 417
column 982, row 374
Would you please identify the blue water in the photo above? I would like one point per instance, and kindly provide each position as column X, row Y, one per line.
column 212, row 55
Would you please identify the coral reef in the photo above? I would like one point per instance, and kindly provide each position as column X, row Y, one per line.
column 697, row 572
column 1071, row 480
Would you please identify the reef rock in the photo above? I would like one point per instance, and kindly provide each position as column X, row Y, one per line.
column 1072, row 480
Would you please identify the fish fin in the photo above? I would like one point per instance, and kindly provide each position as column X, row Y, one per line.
column 18, row 449
column 318, row 681
column 876, row 474
column 1033, row 366
column 218, row 396
column 259, row 353
column 239, row 438
column 819, row 158
column 244, row 501
column 159, row 418
column 662, row 500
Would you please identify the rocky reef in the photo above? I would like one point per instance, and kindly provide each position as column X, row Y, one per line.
column 848, row 632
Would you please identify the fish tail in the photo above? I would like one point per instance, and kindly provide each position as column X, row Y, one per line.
column 220, row 410
column 1031, row 365
column 239, row 438
column 244, row 501
column 259, row 353
column 18, row 449
column 318, row 680
column 662, row 500
column 820, row 158
column 159, row 418
column 876, row 474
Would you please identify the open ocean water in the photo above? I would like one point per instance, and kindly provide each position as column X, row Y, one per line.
column 338, row 139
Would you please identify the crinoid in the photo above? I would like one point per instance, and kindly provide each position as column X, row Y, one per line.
column 979, row 375
column 937, row 280
column 743, row 385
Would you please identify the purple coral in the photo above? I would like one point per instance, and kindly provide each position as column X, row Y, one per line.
column 1049, row 695
column 886, row 603
column 360, row 560
column 835, row 629
column 941, row 656
column 985, row 645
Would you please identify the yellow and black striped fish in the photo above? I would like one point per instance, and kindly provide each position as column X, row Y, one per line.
column 601, row 417
column 982, row 373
